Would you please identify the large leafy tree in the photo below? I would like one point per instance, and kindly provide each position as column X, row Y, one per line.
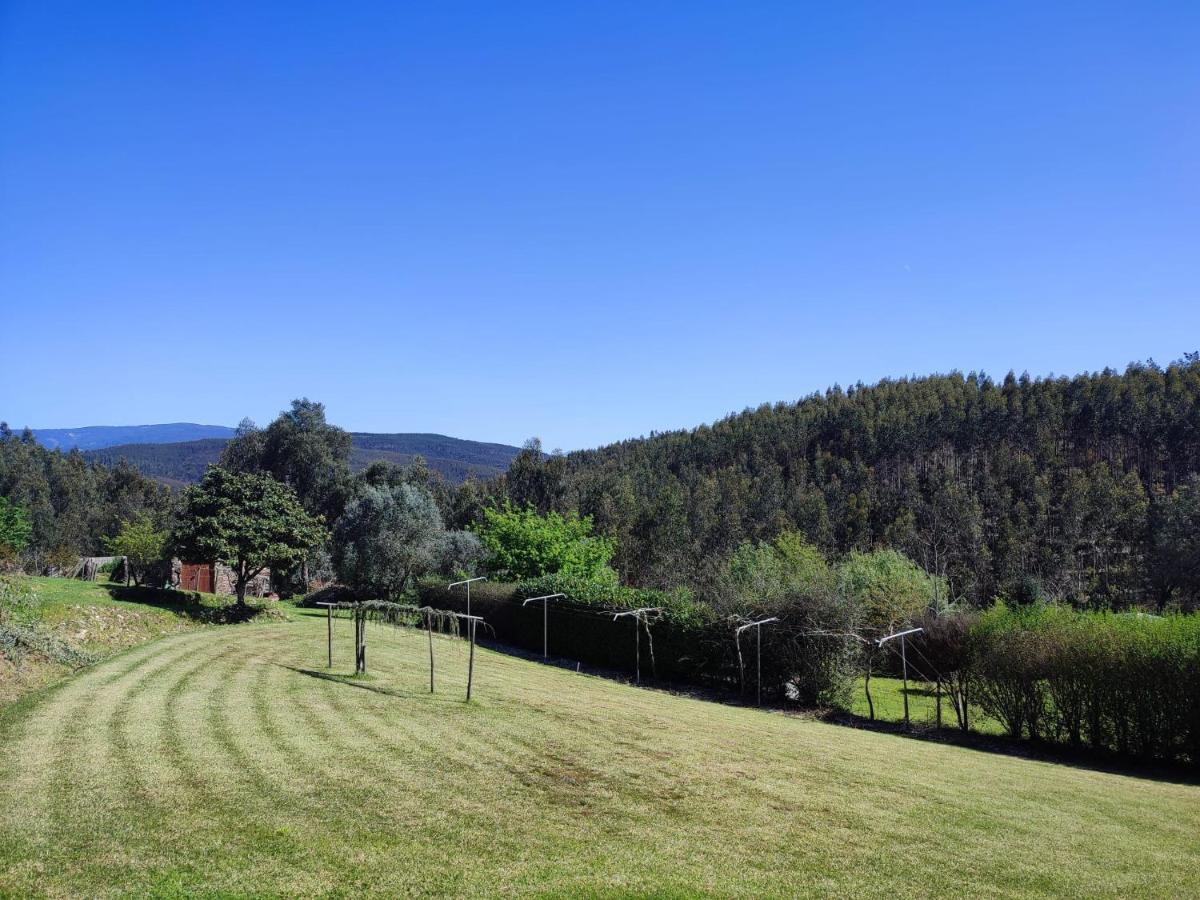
column 391, row 534
column 522, row 544
column 889, row 588
column 248, row 521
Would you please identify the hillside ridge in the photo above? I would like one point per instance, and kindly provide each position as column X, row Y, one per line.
column 183, row 462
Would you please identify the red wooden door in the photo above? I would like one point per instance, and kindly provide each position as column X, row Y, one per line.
column 196, row 577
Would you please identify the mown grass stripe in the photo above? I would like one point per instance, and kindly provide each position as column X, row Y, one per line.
column 246, row 776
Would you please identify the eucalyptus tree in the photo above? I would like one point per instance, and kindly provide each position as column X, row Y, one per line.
column 302, row 450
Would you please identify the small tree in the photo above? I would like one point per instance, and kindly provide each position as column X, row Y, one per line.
column 525, row 545
column 14, row 529
column 249, row 522
column 141, row 543
column 888, row 586
column 761, row 576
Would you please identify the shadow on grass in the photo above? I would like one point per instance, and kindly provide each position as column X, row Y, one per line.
column 206, row 608
column 355, row 681
column 1038, row 751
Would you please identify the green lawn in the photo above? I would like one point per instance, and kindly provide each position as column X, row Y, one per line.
column 888, row 697
column 226, row 761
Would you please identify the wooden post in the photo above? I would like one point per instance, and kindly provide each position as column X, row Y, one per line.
column 904, row 665
column 360, row 641
column 329, row 632
column 939, row 704
column 429, row 627
column 546, row 628
column 471, row 661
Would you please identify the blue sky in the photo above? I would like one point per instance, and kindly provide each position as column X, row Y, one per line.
column 581, row 221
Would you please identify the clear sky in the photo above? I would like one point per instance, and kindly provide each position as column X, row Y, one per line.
column 581, row 221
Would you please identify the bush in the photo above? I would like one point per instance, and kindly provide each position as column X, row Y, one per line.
column 1122, row 683
column 888, row 586
column 687, row 641
column 522, row 545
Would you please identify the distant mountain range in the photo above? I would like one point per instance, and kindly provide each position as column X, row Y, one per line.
column 96, row 437
column 178, row 453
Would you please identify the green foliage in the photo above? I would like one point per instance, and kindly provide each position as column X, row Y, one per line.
column 678, row 606
column 142, row 543
column 1177, row 547
column 21, row 633
column 247, row 521
column 69, row 504
column 1119, row 683
column 889, row 588
column 391, row 535
column 300, row 449
column 763, row 575
column 982, row 482
column 523, row 544
column 17, row 598
column 15, row 529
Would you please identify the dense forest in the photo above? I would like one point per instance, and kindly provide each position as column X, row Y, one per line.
column 1079, row 488
column 1084, row 489
column 71, row 504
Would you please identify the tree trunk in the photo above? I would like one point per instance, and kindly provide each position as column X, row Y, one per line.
column 239, row 585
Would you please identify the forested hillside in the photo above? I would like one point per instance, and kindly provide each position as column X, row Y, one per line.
column 1082, row 488
column 70, row 504
column 455, row 459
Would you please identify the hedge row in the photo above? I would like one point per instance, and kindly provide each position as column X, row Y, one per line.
column 686, row 642
column 1122, row 683
column 581, row 626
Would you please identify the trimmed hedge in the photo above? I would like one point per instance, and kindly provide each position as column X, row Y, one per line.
column 581, row 626
column 691, row 642
column 1123, row 683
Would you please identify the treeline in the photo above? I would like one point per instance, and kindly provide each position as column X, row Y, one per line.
column 385, row 523
column 1082, row 489
column 68, row 505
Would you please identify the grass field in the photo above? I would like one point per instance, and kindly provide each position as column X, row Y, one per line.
column 227, row 761
column 888, row 697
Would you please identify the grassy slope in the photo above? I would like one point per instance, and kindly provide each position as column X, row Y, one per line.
column 100, row 619
column 227, row 761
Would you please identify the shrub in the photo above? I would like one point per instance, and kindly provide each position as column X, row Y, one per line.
column 523, row 545
column 888, row 586
column 1123, row 683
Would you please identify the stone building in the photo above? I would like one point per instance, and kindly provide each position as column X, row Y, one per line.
column 215, row 578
